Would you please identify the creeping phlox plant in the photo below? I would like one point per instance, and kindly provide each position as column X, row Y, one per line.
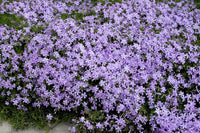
column 126, row 66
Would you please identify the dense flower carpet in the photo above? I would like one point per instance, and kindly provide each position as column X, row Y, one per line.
column 106, row 66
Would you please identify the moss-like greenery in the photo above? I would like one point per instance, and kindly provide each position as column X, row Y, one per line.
column 12, row 20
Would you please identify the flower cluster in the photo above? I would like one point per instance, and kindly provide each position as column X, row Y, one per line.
column 128, row 66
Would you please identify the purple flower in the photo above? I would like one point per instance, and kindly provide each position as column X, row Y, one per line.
column 49, row 117
column 99, row 125
column 88, row 125
column 121, row 122
column 120, row 108
column 72, row 129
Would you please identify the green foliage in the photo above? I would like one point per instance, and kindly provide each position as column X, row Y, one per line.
column 37, row 28
column 64, row 16
column 12, row 20
column 8, row 1
column 96, row 116
column 22, row 119
column 156, row 31
column 34, row 117
column 19, row 49
column 77, row 16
